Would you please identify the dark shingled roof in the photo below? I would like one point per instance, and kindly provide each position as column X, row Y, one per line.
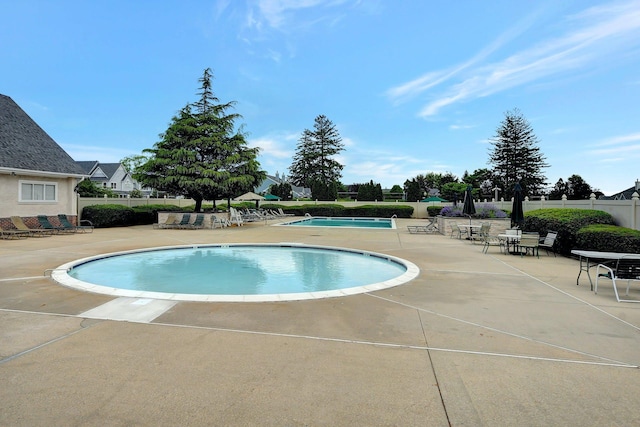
column 109, row 169
column 24, row 145
column 87, row 165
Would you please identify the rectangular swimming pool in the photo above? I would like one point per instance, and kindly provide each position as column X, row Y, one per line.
column 348, row 222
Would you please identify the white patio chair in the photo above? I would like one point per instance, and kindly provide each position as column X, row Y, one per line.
column 529, row 242
column 626, row 268
column 547, row 242
column 456, row 230
column 235, row 217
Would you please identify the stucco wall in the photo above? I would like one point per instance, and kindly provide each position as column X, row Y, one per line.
column 9, row 193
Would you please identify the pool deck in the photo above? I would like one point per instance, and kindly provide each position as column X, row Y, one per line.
column 475, row 339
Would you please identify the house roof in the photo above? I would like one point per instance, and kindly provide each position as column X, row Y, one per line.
column 109, row 169
column 26, row 146
column 88, row 165
column 101, row 171
column 623, row 195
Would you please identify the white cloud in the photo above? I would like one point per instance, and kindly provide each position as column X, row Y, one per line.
column 459, row 127
column 348, row 142
column 596, row 35
column 277, row 14
column 616, row 140
column 624, row 150
column 278, row 147
column 431, row 79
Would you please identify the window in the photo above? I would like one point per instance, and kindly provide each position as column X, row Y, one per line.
column 113, row 185
column 31, row 191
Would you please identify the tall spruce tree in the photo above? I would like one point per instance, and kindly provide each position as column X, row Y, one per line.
column 202, row 155
column 314, row 164
column 516, row 157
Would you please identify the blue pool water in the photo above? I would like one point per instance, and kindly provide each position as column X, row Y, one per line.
column 343, row 222
column 237, row 270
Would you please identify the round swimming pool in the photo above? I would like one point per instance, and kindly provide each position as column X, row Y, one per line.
column 236, row 272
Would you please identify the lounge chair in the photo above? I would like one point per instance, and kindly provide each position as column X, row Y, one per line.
column 47, row 225
column 13, row 233
column 64, row 221
column 283, row 213
column 19, row 224
column 429, row 228
column 169, row 222
column 184, row 222
column 198, row 223
column 235, row 217
column 250, row 216
column 216, row 221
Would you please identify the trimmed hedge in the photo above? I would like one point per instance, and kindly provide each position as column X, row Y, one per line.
column 608, row 238
column 434, row 210
column 334, row 210
column 567, row 222
column 102, row 216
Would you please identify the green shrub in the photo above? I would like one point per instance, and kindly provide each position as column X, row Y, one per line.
column 567, row 222
column 608, row 238
column 434, row 210
column 102, row 216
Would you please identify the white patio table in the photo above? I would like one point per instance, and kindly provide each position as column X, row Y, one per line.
column 511, row 240
column 590, row 259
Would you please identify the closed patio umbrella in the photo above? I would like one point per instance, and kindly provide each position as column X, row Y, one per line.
column 517, row 212
column 469, row 208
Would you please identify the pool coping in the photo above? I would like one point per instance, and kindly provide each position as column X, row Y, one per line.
column 60, row 275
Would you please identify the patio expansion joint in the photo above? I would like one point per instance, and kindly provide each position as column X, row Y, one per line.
column 433, row 368
column 83, row 327
column 605, row 360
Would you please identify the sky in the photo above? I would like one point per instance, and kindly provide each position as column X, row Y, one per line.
column 412, row 86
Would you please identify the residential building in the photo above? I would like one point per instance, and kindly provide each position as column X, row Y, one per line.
column 37, row 177
column 625, row 194
column 113, row 176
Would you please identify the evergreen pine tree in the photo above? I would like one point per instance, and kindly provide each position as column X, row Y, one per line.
column 202, row 155
column 314, row 164
column 516, row 157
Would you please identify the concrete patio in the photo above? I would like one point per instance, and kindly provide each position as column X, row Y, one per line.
column 476, row 339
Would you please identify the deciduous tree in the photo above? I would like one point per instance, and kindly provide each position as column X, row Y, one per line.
column 575, row 188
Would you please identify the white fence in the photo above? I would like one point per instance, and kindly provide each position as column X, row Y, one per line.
column 625, row 212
